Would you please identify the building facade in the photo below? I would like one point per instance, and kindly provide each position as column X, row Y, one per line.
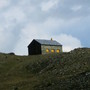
column 39, row 46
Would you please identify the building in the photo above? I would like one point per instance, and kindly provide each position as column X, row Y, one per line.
column 40, row 46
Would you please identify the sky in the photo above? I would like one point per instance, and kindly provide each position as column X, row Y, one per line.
column 66, row 21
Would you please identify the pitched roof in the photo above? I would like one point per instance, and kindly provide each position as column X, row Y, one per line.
column 48, row 42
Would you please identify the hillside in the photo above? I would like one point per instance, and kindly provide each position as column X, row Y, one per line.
column 65, row 71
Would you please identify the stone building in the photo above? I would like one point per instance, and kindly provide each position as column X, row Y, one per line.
column 40, row 46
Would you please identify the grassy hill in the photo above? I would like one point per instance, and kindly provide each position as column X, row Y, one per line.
column 65, row 71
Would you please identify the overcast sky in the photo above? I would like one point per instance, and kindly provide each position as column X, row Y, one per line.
column 21, row 21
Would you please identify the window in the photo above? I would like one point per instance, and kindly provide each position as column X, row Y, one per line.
column 47, row 50
column 58, row 51
column 52, row 50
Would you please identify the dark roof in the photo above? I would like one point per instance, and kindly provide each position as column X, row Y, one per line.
column 48, row 42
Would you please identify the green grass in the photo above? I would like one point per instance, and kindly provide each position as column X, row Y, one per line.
column 65, row 71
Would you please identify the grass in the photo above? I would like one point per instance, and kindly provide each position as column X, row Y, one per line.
column 65, row 71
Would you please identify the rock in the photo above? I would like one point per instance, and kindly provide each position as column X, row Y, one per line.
column 88, row 73
column 11, row 53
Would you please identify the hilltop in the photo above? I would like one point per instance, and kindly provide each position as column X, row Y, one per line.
column 64, row 71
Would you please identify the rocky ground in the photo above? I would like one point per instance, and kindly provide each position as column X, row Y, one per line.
column 65, row 71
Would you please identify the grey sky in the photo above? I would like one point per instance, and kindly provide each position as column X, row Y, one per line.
column 66, row 21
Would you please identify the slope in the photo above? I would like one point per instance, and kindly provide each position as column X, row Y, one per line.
column 65, row 71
